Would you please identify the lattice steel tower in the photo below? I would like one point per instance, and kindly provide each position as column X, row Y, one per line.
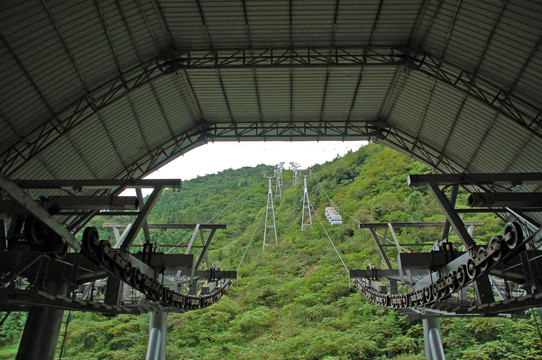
column 268, row 224
column 306, row 219
column 294, row 166
column 278, row 181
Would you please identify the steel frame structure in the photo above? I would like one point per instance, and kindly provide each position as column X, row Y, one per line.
column 425, row 269
column 473, row 85
column 268, row 224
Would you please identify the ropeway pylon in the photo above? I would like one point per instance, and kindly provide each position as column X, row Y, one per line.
column 268, row 224
column 306, row 219
column 278, row 181
column 294, row 166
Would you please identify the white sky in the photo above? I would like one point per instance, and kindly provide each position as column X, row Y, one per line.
column 215, row 157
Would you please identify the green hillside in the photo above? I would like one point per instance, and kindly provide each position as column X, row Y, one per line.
column 293, row 301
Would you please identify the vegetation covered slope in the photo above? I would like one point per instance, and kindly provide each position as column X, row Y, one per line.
column 293, row 301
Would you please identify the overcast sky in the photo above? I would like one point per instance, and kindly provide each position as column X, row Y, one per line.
column 214, row 157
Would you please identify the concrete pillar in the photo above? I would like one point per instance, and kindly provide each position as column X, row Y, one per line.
column 433, row 342
column 157, row 336
column 42, row 328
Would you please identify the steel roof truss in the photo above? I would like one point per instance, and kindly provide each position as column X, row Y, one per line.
column 513, row 107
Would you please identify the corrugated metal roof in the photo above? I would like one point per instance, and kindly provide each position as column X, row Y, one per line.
column 89, row 88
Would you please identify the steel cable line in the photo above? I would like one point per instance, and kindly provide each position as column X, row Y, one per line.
column 332, row 244
column 334, row 204
column 215, row 216
column 250, row 243
column 344, row 212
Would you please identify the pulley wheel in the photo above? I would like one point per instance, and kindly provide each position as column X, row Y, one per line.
column 91, row 237
column 461, row 275
column 102, row 255
column 428, row 293
column 513, row 235
column 472, row 270
column 495, row 245
column 453, row 281
column 126, row 273
column 405, row 300
column 37, row 233
column 482, row 254
column 436, row 294
column 60, row 254
column 32, row 231
column 135, row 278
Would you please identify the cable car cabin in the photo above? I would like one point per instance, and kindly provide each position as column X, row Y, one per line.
column 333, row 216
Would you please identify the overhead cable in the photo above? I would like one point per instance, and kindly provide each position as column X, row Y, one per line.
column 214, row 217
column 331, row 241
column 335, row 205
column 250, row 243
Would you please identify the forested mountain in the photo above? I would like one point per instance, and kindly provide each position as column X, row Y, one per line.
column 293, row 301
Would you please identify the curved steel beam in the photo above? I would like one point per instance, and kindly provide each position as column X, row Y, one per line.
column 499, row 99
column 45, row 134
column 377, row 131
column 246, row 131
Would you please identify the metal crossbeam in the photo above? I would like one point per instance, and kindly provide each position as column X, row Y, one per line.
column 98, row 184
column 251, row 131
column 413, row 224
column 168, row 226
column 473, row 179
column 474, row 85
column 78, row 203
column 283, row 57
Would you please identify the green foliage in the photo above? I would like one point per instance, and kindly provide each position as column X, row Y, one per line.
column 11, row 328
column 293, row 300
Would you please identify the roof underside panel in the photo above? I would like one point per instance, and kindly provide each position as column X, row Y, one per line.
column 440, row 115
column 495, row 142
column 312, row 24
column 274, row 87
column 240, row 87
column 469, row 132
column 225, row 23
column 89, row 88
column 145, row 108
column 118, row 35
column 83, row 39
column 208, row 90
column 396, row 19
column 372, row 92
column 65, row 162
column 528, row 84
column 307, row 94
column 410, row 107
column 269, row 23
column 91, row 140
column 526, row 163
column 124, row 130
column 171, row 104
column 185, row 24
column 510, row 47
column 341, row 93
column 469, row 31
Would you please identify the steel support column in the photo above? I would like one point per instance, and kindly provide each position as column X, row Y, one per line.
column 157, row 336
column 42, row 329
column 451, row 215
column 432, row 338
column 141, row 220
